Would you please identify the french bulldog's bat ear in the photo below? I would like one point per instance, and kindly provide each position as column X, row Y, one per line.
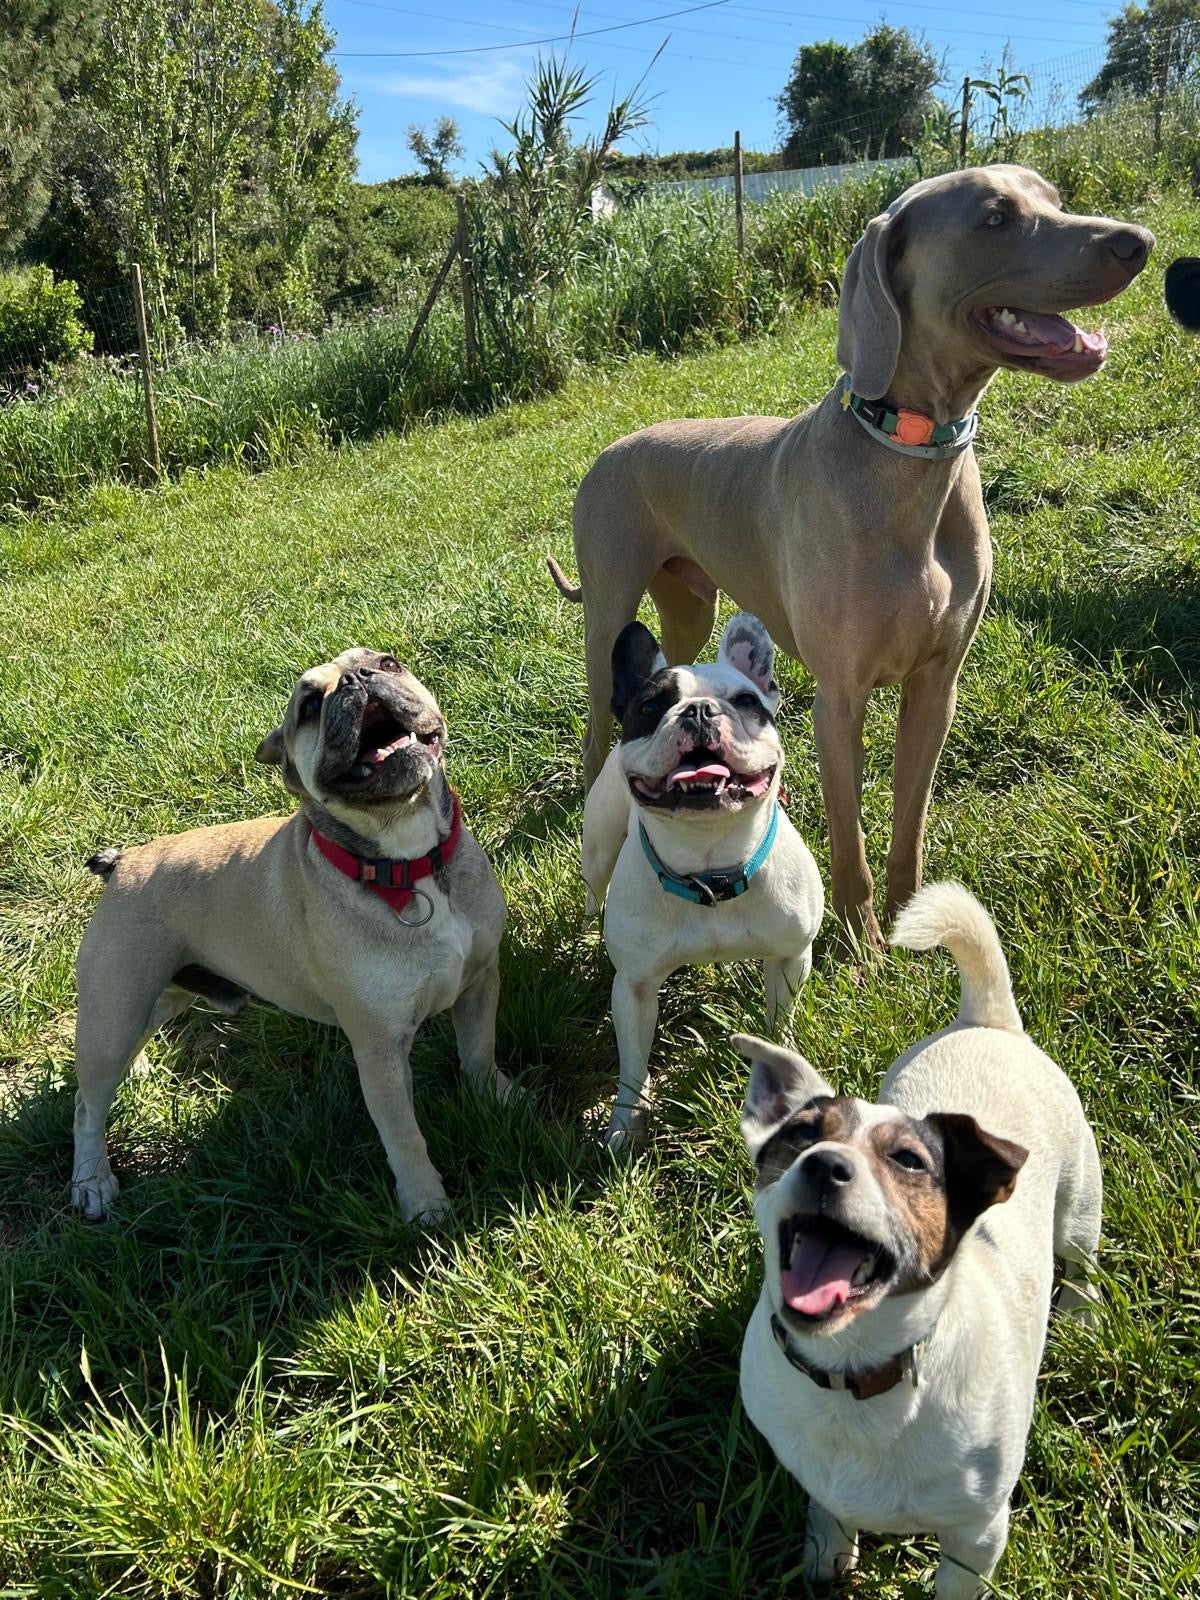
column 746, row 646
column 780, row 1083
column 981, row 1168
column 636, row 656
column 270, row 751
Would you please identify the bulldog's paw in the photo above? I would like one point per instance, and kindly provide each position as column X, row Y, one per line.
column 93, row 1189
column 830, row 1551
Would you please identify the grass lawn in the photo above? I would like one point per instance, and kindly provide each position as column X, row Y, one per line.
column 254, row 1380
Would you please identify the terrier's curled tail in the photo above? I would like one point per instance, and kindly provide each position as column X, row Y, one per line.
column 947, row 914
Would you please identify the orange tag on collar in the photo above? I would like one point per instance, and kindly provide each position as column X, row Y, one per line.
column 912, row 427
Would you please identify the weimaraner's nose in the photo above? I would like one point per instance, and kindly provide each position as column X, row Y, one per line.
column 1132, row 247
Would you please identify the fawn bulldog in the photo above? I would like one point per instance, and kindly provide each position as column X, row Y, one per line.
column 371, row 907
column 892, row 1357
column 685, row 821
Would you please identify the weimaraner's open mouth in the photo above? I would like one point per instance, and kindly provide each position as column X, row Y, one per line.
column 1049, row 343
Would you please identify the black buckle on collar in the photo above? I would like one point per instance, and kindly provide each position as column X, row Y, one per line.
column 717, row 887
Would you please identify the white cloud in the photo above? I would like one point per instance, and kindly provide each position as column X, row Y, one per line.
column 494, row 90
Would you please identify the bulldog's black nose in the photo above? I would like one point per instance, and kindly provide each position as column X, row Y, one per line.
column 362, row 675
column 1132, row 247
column 700, row 711
column 828, row 1169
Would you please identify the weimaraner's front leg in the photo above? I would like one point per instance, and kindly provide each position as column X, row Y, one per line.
column 838, row 726
column 927, row 704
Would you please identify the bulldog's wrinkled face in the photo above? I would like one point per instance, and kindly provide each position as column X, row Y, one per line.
column 858, row 1202
column 359, row 730
column 701, row 738
column 1018, row 262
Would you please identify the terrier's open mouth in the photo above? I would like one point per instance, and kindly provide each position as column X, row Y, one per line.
column 383, row 735
column 1045, row 339
column 703, row 779
column 825, row 1266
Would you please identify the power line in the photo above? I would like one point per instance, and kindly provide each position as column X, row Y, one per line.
column 480, row 49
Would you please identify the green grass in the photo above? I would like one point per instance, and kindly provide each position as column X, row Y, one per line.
column 254, row 1380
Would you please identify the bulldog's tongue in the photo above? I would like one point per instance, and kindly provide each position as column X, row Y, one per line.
column 710, row 773
column 820, row 1275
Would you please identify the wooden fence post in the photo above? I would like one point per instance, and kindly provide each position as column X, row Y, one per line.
column 965, row 122
column 468, row 281
column 738, row 197
column 1163, row 43
column 139, row 308
column 434, row 289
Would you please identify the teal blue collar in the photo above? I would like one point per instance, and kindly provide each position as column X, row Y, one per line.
column 711, row 888
column 911, row 433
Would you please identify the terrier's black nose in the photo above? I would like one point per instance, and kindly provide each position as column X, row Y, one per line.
column 828, row 1169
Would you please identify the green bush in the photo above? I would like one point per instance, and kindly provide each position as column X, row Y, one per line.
column 39, row 321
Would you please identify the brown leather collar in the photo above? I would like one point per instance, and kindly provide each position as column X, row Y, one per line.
column 862, row 1385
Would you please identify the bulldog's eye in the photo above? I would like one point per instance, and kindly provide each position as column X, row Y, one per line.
column 310, row 706
column 995, row 219
column 650, row 708
column 908, row 1159
column 389, row 664
column 747, row 701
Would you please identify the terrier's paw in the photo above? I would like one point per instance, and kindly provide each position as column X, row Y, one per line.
column 93, row 1189
column 830, row 1551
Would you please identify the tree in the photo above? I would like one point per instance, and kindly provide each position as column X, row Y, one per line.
column 844, row 102
column 435, row 152
column 46, row 43
column 1150, row 49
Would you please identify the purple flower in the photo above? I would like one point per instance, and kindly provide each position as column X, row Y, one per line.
column 33, row 388
column 277, row 331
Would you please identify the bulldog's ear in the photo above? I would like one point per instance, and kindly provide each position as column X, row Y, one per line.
column 635, row 657
column 981, row 1168
column 746, row 647
column 780, row 1083
column 271, row 751
column 868, row 345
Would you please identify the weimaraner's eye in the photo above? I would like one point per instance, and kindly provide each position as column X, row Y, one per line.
column 996, row 219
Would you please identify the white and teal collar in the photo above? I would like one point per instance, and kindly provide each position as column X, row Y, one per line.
column 911, row 433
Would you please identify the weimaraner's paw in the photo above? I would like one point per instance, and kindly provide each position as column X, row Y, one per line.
column 94, row 1189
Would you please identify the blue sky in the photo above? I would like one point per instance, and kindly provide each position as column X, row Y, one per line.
column 721, row 69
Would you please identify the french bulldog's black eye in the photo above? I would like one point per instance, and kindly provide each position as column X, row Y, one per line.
column 389, row 664
column 908, row 1159
column 650, row 708
column 310, row 706
column 747, row 701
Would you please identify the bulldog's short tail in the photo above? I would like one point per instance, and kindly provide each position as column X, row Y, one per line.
column 568, row 590
column 948, row 914
column 104, row 861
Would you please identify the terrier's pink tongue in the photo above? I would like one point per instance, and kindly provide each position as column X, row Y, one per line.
column 698, row 774
column 819, row 1276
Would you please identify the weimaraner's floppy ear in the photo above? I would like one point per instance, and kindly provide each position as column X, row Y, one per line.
column 780, row 1082
column 636, row 656
column 868, row 346
column 746, row 646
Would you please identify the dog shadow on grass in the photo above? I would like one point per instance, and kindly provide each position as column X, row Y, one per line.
column 1143, row 630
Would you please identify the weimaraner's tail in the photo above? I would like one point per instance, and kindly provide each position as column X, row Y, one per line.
column 568, row 590
column 948, row 914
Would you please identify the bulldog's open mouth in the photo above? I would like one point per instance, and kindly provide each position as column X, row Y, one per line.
column 1048, row 342
column 825, row 1267
column 704, row 780
column 382, row 735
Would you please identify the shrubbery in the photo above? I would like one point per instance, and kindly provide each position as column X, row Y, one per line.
column 40, row 324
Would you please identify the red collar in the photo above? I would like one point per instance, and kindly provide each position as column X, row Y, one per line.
column 392, row 880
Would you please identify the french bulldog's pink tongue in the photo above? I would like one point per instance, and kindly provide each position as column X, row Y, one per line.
column 819, row 1276
column 698, row 774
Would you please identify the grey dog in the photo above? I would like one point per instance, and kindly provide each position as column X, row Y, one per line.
column 857, row 532
column 371, row 907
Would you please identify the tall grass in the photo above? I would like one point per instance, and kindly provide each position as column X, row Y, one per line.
column 661, row 275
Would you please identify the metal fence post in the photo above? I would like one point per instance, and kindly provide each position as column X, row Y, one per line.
column 738, row 197
column 467, row 265
column 139, row 308
column 965, row 122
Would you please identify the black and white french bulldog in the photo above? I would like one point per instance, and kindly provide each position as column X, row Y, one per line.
column 371, row 907
column 684, row 831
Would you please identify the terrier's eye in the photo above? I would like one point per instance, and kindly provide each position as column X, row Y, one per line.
column 747, row 701
column 908, row 1159
column 389, row 664
column 310, row 706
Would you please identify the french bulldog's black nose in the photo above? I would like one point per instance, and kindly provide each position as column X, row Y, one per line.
column 1132, row 247
column 700, row 711
column 827, row 1169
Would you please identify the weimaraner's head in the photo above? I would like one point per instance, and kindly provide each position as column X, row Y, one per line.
column 973, row 270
